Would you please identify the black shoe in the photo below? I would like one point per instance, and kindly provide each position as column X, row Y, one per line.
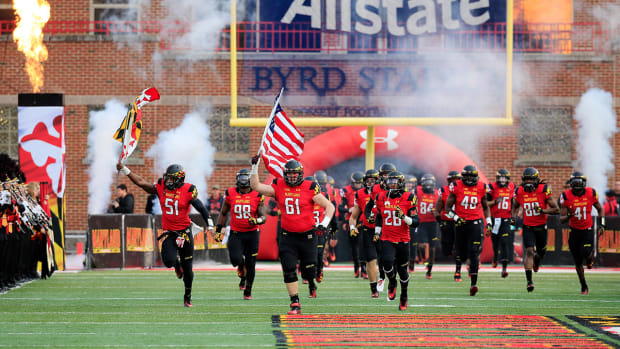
column 312, row 292
column 391, row 291
column 187, row 301
column 242, row 284
column 530, row 286
column 403, row 303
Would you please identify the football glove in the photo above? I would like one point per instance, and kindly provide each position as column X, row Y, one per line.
column 256, row 221
column 601, row 229
column 489, row 229
column 353, row 232
column 538, row 209
column 371, row 219
column 180, row 241
column 321, row 230
column 218, row 234
column 398, row 212
column 254, row 159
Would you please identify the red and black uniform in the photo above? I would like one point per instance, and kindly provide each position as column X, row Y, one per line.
column 501, row 214
column 427, row 230
column 319, row 214
column 581, row 238
column 534, row 221
column 367, row 229
column 346, row 205
column 469, row 236
column 446, row 225
column 175, row 208
column 395, row 237
column 298, row 240
column 244, row 237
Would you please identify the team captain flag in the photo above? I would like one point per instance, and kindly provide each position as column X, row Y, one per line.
column 282, row 141
column 131, row 127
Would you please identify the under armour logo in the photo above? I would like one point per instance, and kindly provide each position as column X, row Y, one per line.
column 389, row 140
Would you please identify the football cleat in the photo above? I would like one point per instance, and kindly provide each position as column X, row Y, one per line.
column 590, row 263
column 411, row 267
column 402, row 304
column 536, row 263
column 457, row 277
column 530, row 287
column 319, row 277
column 305, row 282
column 364, row 275
column 391, row 292
column 187, row 301
column 178, row 270
column 504, row 274
column 242, row 284
column 326, row 262
column 473, row 290
column 295, row 309
column 494, row 264
column 356, row 273
column 312, row 293
column 241, row 271
column 332, row 257
column 429, row 275
column 380, row 285
column 247, row 295
column 584, row 290
column 374, row 295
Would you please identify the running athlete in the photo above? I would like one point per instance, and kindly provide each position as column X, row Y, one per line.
column 175, row 198
column 296, row 198
column 499, row 198
column 411, row 184
column 427, row 230
column 396, row 211
column 345, row 208
column 446, row 225
column 319, row 214
column 534, row 196
column 366, row 228
column 467, row 196
column 576, row 208
column 247, row 211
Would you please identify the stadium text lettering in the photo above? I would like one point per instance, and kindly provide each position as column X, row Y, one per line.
column 422, row 15
column 325, row 79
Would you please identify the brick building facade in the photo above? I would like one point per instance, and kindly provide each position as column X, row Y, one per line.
column 91, row 69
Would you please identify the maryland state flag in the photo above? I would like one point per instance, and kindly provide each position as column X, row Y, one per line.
column 131, row 127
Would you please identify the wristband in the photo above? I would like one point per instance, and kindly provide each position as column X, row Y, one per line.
column 254, row 170
column 408, row 220
column 603, row 220
column 125, row 170
column 218, row 228
column 489, row 221
column 260, row 220
column 325, row 221
column 377, row 230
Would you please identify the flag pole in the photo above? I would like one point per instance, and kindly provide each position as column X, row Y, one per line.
column 273, row 113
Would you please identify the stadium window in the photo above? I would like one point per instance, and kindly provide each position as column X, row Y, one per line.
column 231, row 143
column 115, row 16
column 7, row 17
column 545, row 135
column 8, row 131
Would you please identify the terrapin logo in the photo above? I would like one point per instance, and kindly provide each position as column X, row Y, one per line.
column 421, row 15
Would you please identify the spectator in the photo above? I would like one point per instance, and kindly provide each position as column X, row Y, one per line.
column 123, row 202
column 215, row 202
column 611, row 204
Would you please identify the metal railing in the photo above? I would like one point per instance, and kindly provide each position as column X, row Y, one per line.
column 272, row 37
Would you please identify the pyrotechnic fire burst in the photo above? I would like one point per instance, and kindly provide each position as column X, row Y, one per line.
column 28, row 35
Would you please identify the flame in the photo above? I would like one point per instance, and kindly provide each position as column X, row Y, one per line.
column 28, row 35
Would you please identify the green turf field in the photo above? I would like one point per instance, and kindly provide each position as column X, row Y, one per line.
column 145, row 308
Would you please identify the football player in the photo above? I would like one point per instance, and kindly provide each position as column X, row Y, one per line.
column 296, row 198
column 332, row 239
column 534, row 196
column 411, row 184
column 247, row 211
column 366, row 228
column 396, row 211
column 468, row 196
column 427, row 230
column 446, row 225
column 499, row 198
column 576, row 208
column 345, row 208
column 319, row 213
column 175, row 198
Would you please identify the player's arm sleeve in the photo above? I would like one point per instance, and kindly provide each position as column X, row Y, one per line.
column 378, row 220
column 200, row 207
column 369, row 207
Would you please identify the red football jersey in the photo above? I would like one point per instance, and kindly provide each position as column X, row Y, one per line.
column 296, row 204
column 468, row 199
column 426, row 205
column 242, row 207
column 529, row 202
column 580, row 208
column 394, row 229
column 504, row 195
column 361, row 199
column 444, row 192
column 319, row 212
column 348, row 193
column 175, row 205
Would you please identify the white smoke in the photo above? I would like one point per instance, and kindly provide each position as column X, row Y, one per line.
column 103, row 153
column 596, row 123
column 187, row 145
column 609, row 17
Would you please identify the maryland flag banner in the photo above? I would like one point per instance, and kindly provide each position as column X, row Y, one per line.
column 131, row 127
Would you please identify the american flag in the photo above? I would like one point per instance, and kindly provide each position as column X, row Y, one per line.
column 282, row 141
